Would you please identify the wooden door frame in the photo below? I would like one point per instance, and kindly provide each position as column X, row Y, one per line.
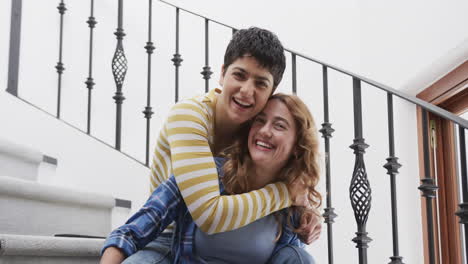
column 451, row 93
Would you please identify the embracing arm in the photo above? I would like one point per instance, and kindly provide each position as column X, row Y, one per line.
column 192, row 161
column 144, row 226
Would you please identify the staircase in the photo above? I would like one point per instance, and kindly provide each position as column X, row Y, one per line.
column 43, row 223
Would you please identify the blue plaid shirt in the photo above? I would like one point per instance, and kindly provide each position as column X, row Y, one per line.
column 164, row 206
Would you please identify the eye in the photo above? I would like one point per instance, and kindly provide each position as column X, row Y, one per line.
column 262, row 84
column 239, row 75
column 259, row 120
column 280, row 126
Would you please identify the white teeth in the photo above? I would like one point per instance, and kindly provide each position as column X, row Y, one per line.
column 263, row 144
column 244, row 104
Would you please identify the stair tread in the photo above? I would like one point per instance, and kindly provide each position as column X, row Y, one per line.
column 49, row 193
column 26, row 245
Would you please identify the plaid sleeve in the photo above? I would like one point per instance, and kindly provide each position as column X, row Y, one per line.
column 145, row 225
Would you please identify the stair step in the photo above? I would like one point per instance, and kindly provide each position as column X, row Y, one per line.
column 24, row 162
column 32, row 208
column 47, row 249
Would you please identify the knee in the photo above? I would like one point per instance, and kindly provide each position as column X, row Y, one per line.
column 141, row 257
column 156, row 252
column 292, row 255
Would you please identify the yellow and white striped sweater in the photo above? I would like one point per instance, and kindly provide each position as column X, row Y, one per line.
column 183, row 148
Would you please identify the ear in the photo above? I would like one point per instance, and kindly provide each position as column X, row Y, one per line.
column 221, row 77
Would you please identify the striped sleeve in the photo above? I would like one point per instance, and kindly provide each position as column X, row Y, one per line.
column 160, row 169
column 195, row 172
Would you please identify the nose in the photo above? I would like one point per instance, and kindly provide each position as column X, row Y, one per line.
column 265, row 130
column 247, row 89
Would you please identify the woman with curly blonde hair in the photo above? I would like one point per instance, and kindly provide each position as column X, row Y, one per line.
column 301, row 167
column 280, row 143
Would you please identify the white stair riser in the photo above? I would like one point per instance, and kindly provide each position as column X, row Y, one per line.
column 15, row 167
column 46, row 173
column 32, row 217
column 24, row 162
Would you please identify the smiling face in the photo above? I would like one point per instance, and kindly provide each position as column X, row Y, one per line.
column 246, row 88
column 272, row 136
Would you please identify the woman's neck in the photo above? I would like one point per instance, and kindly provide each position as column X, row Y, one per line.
column 262, row 177
column 225, row 130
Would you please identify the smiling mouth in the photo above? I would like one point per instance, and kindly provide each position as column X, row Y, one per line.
column 241, row 103
column 263, row 144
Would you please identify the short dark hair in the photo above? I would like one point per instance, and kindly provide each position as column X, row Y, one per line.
column 261, row 44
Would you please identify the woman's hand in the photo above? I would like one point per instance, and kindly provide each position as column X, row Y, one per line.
column 112, row 255
column 310, row 226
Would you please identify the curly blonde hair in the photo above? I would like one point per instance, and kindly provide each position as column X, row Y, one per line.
column 302, row 165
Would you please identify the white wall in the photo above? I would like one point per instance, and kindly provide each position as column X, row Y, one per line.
column 413, row 42
column 360, row 36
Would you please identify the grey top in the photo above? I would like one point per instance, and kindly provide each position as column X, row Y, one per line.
column 253, row 243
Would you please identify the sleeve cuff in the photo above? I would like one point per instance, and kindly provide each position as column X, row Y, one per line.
column 119, row 243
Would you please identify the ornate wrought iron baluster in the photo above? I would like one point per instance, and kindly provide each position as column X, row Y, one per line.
column 206, row 70
column 119, row 70
column 428, row 189
column 148, row 109
column 177, row 58
column 392, row 167
column 327, row 131
column 294, row 80
column 463, row 210
column 59, row 67
column 90, row 81
column 360, row 190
